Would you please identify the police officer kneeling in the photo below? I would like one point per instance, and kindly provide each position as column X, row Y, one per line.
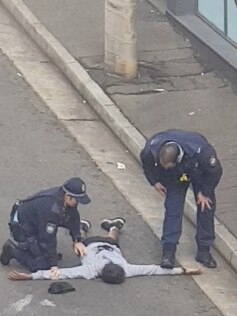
column 34, row 222
column 172, row 160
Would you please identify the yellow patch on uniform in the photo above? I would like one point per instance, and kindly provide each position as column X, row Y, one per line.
column 184, row 178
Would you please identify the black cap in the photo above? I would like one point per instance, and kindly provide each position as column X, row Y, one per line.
column 76, row 188
column 60, row 288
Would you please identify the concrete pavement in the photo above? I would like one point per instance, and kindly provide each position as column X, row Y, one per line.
column 173, row 89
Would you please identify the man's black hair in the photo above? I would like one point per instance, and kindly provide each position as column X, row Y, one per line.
column 169, row 152
column 112, row 273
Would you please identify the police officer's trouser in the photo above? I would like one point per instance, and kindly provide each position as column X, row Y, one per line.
column 172, row 226
column 25, row 258
column 29, row 253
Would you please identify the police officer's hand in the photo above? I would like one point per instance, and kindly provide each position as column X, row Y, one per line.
column 203, row 201
column 54, row 273
column 79, row 248
column 160, row 188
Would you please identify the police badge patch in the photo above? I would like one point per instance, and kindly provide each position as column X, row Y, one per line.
column 50, row 228
column 212, row 161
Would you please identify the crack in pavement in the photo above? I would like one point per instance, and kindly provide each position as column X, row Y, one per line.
column 80, row 120
column 156, row 92
column 136, row 93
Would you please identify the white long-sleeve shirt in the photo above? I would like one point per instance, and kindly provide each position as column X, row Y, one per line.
column 98, row 255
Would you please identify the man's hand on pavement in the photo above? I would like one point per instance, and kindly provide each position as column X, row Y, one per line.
column 19, row 276
column 79, row 248
column 203, row 201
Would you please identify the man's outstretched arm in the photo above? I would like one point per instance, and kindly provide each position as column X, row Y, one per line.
column 19, row 276
column 133, row 270
column 80, row 272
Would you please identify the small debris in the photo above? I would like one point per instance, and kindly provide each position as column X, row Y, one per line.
column 47, row 303
column 202, row 74
column 121, row 166
column 84, row 101
column 19, row 74
column 160, row 90
column 191, row 113
column 152, row 11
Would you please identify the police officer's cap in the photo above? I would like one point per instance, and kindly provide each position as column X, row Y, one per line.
column 76, row 188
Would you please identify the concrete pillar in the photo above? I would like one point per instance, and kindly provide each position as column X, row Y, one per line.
column 120, row 38
column 182, row 7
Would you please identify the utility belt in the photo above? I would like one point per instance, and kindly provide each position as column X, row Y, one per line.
column 15, row 228
column 19, row 235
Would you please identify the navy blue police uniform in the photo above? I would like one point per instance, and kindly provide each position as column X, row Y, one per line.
column 199, row 166
column 34, row 224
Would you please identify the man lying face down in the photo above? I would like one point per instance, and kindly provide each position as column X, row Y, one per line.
column 103, row 260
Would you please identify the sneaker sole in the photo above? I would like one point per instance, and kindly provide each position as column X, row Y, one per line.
column 111, row 221
column 87, row 223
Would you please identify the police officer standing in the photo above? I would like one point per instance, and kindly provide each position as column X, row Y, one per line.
column 34, row 222
column 172, row 160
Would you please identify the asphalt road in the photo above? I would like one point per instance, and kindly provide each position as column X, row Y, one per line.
column 36, row 153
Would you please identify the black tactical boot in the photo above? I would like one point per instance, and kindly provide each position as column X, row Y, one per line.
column 206, row 259
column 7, row 252
column 168, row 259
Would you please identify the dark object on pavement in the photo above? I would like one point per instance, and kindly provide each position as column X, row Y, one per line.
column 60, row 288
